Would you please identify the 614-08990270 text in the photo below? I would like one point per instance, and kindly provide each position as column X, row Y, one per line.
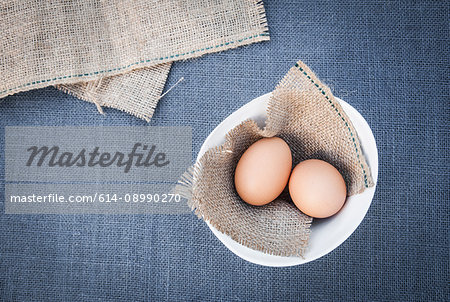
column 98, row 197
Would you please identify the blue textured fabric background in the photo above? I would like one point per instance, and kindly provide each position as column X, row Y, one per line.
column 388, row 59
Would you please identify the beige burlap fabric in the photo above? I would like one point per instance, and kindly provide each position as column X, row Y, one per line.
column 136, row 92
column 305, row 114
column 70, row 42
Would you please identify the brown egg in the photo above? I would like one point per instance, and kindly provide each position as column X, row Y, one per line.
column 263, row 171
column 317, row 188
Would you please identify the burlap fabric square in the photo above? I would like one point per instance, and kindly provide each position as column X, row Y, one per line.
column 116, row 53
column 304, row 113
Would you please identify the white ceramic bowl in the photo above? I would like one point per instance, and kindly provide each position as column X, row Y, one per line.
column 326, row 234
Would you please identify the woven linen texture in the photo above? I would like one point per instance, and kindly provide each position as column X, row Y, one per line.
column 388, row 59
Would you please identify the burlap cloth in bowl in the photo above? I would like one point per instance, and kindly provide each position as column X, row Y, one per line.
column 305, row 114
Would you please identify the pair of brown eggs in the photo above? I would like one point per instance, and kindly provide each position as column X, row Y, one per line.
column 263, row 171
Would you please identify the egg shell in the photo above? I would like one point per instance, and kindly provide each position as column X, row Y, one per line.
column 263, row 171
column 317, row 188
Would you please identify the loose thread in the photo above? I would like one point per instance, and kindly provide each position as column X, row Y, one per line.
column 90, row 87
column 99, row 108
column 173, row 86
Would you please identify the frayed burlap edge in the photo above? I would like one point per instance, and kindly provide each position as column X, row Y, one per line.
column 136, row 92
